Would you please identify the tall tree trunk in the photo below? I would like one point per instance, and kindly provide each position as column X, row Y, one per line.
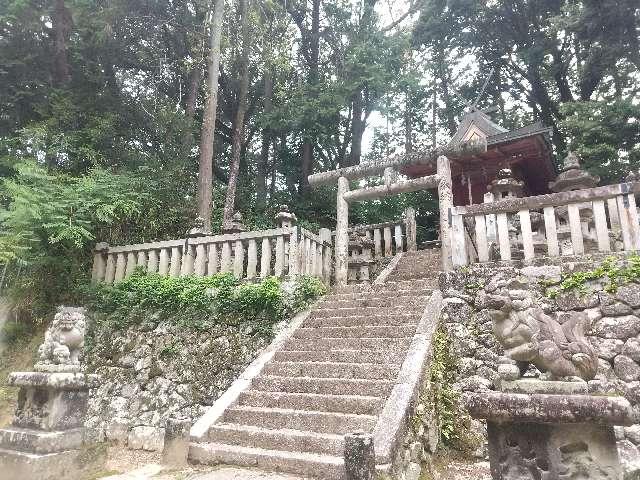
column 434, row 114
column 408, row 124
column 314, row 59
column 263, row 161
column 205, row 171
column 195, row 76
column 238, row 123
column 61, row 23
column 357, row 128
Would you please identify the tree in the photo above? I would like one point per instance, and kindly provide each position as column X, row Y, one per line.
column 205, row 172
column 238, row 121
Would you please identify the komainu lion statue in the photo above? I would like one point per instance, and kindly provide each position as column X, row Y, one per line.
column 63, row 341
column 529, row 336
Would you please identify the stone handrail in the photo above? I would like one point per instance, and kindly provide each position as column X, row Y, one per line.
column 282, row 252
column 390, row 238
column 571, row 223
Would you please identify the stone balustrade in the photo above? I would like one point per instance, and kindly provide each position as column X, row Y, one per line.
column 390, row 238
column 575, row 222
column 281, row 252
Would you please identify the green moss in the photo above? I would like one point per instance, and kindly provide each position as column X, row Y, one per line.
column 452, row 419
column 614, row 271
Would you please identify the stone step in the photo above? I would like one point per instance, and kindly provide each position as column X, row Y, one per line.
column 349, row 312
column 328, row 344
column 281, row 439
column 391, row 301
column 349, row 356
column 389, row 286
column 364, row 320
column 38, row 441
column 332, row 386
column 374, row 294
column 307, row 420
column 331, row 370
column 389, row 331
column 311, row 401
column 298, row 463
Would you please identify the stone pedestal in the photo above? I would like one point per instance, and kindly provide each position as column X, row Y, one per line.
column 551, row 432
column 44, row 439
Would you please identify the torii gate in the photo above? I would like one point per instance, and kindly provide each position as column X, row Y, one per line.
column 388, row 167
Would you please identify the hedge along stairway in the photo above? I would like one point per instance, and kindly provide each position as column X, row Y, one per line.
column 354, row 363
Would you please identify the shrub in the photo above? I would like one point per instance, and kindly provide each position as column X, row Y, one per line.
column 199, row 302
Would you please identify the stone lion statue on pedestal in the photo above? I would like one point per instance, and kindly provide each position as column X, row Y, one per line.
column 63, row 341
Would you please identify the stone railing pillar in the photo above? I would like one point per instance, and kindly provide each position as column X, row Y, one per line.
column 445, row 200
column 325, row 236
column 359, row 456
column 410, row 229
column 342, row 233
column 99, row 263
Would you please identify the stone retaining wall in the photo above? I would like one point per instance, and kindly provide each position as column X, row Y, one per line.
column 150, row 373
column 614, row 327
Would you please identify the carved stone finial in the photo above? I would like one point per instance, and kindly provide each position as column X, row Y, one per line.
column 633, row 176
column 198, row 228
column 505, row 185
column 235, row 225
column 573, row 176
column 284, row 218
column 63, row 342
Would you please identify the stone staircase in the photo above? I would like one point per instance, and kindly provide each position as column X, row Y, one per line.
column 331, row 377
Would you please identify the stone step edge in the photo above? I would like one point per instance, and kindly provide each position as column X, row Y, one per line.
column 300, row 463
column 278, row 431
column 293, row 411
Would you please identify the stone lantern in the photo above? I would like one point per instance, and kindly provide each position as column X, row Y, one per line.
column 359, row 258
column 198, row 228
column 506, row 186
column 574, row 177
column 284, row 218
column 235, row 225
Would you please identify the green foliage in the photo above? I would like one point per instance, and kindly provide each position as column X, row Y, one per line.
column 444, row 400
column 13, row 332
column 451, row 418
column 616, row 272
column 198, row 302
column 606, row 134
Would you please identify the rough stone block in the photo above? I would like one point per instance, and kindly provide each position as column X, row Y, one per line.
column 118, row 430
column 629, row 294
column 626, row 369
column 606, row 348
column 551, row 273
column 146, row 438
column 617, row 327
column 176, row 443
column 632, row 349
column 577, row 301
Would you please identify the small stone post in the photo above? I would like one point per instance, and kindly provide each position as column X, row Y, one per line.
column 99, row 262
column 445, row 200
column 359, row 456
column 176, row 443
column 410, row 229
column 342, row 233
column 327, row 253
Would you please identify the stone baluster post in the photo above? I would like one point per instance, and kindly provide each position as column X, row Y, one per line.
column 359, row 456
column 342, row 233
column 99, row 262
column 325, row 236
column 410, row 229
column 445, row 200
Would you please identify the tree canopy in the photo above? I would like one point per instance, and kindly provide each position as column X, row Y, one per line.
column 102, row 105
